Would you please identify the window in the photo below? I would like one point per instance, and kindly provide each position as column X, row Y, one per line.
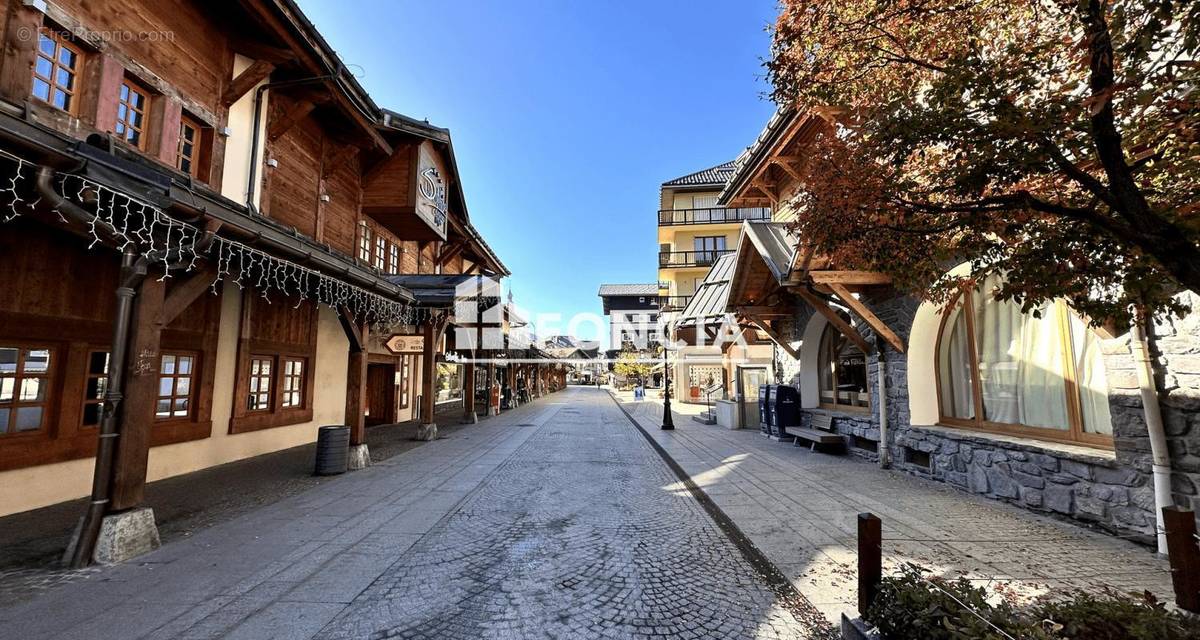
column 405, row 380
column 449, row 382
column 175, row 386
column 131, row 113
column 364, row 242
column 293, row 383
column 394, row 258
column 93, row 395
column 708, row 248
column 24, row 387
column 187, row 160
column 381, row 245
column 260, row 383
column 1003, row 370
column 842, row 372
column 56, row 71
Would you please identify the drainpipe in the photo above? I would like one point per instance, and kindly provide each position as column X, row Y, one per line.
column 254, row 135
column 133, row 272
column 1160, row 457
column 884, row 452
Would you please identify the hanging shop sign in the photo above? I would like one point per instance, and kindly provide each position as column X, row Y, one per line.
column 405, row 344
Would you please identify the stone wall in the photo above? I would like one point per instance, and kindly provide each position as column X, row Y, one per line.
column 1114, row 492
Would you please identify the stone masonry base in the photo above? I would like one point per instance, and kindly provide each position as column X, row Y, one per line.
column 126, row 535
column 359, row 458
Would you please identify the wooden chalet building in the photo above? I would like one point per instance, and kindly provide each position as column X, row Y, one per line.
column 1044, row 413
column 202, row 227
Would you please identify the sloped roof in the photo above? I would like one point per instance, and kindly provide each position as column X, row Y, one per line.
column 629, row 289
column 773, row 242
column 713, row 176
column 712, row 294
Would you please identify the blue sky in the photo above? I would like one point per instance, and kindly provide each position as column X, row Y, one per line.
column 566, row 116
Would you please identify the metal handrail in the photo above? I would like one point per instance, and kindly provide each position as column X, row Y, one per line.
column 712, row 215
column 674, row 302
column 690, row 258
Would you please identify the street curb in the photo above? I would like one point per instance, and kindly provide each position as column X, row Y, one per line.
column 783, row 588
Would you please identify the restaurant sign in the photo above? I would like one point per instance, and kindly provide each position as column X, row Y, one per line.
column 433, row 190
column 405, row 344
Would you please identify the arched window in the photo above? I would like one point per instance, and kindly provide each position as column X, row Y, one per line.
column 1006, row 371
column 843, row 372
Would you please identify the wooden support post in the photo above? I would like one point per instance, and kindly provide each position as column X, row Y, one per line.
column 870, row 560
column 1184, row 556
column 356, row 390
column 141, row 395
column 428, row 372
column 469, row 392
column 492, row 408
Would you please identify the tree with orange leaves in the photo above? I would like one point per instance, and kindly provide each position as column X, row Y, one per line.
column 1054, row 141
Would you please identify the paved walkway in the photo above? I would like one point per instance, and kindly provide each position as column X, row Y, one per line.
column 32, row 542
column 800, row 509
column 556, row 520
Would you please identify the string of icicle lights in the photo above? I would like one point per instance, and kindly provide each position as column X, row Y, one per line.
column 178, row 247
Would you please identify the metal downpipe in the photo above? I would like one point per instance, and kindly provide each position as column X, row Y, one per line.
column 885, row 457
column 133, row 272
column 1160, row 456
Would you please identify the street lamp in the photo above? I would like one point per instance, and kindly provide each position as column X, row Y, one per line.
column 668, row 423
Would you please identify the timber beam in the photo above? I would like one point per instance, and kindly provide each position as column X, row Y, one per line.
column 878, row 326
column 836, row 320
column 765, row 327
column 245, row 81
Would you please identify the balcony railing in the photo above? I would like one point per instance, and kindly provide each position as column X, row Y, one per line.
column 673, row 303
column 690, row 258
column 715, row 215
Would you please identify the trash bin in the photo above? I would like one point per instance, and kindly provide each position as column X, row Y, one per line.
column 785, row 410
column 333, row 449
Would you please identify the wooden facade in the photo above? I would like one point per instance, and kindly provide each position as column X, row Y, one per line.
column 334, row 185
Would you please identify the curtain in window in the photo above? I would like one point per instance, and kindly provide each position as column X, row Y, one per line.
column 1092, row 378
column 1021, row 365
column 958, row 394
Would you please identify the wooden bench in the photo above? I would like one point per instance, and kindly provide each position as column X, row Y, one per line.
column 822, row 432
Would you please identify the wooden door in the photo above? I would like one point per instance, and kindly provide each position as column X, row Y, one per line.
column 381, row 388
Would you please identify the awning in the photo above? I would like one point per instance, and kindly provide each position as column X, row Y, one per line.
column 709, row 301
column 435, row 291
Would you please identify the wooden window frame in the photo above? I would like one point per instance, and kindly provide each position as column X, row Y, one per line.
column 1074, row 434
column 196, row 158
column 251, row 377
column 286, row 377
column 60, row 43
column 243, row 419
column 393, row 258
column 175, row 377
column 102, row 381
column 365, row 244
column 822, row 345
column 381, row 245
column 133, row 86
column 48, row 378
column 405, row 380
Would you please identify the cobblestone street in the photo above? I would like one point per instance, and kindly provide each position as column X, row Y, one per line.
column 557, row 520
